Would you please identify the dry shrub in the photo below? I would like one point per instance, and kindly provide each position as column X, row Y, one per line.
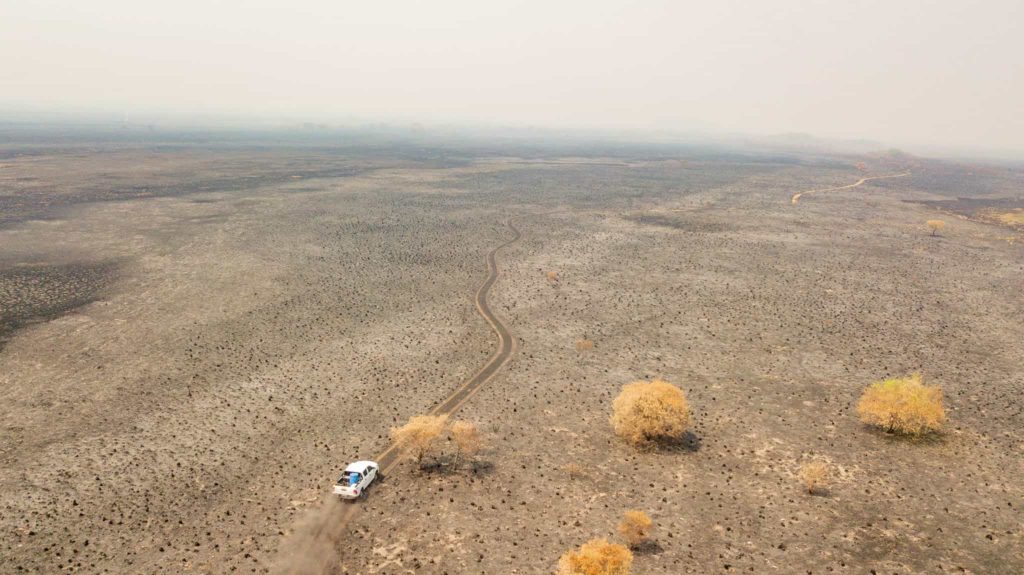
column 596, row 557
column 635, row 528
column 584, row 345
column 418, row 436
column 573, row 470
column 468, row 440
column 552, row 276
column 815, row 475
column 903, row 405
column 936, row 226
column 645, row 412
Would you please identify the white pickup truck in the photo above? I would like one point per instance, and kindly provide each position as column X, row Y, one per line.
column 355, row 479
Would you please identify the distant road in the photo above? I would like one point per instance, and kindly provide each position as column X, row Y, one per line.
column 796, row 197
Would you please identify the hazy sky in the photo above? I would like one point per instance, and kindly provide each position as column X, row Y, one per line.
column 947, row 73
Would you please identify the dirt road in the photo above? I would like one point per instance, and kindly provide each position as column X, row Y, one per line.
column 796, row 197
column 312, row 550
column 506, row 345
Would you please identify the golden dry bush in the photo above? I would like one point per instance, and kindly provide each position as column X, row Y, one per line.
column 468, row 440
column 635, row 528
column 815, row 475
column 552, row 276
column 418, row 436
column 646, row 412
column 902, row 405
column 596, row 557
column 584, row 344
column 936, row 226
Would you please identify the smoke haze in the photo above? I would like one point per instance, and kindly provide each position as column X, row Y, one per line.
column 909, row 73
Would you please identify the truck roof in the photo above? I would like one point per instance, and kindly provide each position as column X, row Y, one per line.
column 359, row 467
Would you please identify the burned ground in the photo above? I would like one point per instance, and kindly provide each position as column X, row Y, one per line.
column 258, row 331
column 33, row 293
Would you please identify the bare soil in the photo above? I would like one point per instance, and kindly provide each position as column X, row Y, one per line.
column 186, row 370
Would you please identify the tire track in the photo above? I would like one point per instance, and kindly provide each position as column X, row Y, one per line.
column 506, row 346
column 324, row 530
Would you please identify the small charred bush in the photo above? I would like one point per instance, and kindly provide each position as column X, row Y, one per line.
column 574, row 470
column 635, row 528
column 815, row 476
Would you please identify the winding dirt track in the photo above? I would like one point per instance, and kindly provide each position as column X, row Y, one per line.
column 796, row 197
column 329, row 526
column 506, row 346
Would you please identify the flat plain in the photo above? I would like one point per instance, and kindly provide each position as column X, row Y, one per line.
column 196, row 336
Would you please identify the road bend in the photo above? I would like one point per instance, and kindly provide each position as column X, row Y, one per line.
column 332, row 525
column 796, row 197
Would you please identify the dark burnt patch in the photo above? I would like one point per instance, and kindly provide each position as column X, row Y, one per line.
column 971, row 207
column 40, row 292
column 689, row 222
column 1004, row 211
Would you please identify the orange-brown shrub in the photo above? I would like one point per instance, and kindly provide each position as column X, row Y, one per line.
column 597, row 557
column 468, row 439
column 635, row 528
column 584, row 345
column 815, row 475
column 902, row 405
column 645, row 412
column 552, row 276
column 936, row 226
column 418, row 436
